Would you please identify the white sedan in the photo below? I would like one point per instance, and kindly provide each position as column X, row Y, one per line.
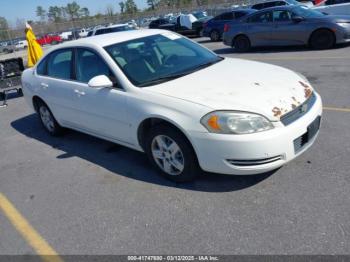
column 186, row 107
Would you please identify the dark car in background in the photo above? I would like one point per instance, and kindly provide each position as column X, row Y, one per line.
column 214, row 28
column 195, row 29
column 156, row 23
column 288, row 25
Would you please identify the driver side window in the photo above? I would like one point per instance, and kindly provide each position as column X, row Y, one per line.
column 281, row 16
column 265, row 17
column 89, row 65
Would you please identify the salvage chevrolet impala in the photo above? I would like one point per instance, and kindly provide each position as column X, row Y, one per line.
column 184, row 106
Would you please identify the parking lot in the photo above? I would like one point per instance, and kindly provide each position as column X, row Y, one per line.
column 83, row 195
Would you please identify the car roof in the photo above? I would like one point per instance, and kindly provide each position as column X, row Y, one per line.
column 242, row 9
column 284, row 7
column 112, row 38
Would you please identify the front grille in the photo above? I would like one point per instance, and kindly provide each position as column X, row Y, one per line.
column 254, row 162
column 300, row 111
column 305, row 138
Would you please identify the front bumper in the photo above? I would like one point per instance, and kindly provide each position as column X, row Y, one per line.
column 254, row 153
column 343, row 34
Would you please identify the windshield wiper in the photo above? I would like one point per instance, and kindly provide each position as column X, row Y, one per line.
column 174, row 76
column 162, row 79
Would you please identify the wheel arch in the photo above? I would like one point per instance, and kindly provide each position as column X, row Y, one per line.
column 238, row 35
column 145, row 126
column 322, row 28
column 36, row 100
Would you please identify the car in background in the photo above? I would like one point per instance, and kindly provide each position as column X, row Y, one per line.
column 268, row 4
column 49, row 39
column 288, row 25
column 214, row 28
column 110, row 29
column 160, row 93
column 66, row 35
column 334, row 7
column 83, row 32
column 185, row 25
column 156, row 23
column 7, row 47
column 21, row 44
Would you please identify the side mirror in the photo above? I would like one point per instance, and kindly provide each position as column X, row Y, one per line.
column 100, row 81
column 297, row 19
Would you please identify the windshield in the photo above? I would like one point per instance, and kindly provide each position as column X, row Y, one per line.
column 305, row 12
column 158, row 58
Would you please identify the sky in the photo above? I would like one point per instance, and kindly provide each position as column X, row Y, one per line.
column 25, row 9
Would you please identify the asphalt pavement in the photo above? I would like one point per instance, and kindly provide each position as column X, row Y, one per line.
column 83, row 195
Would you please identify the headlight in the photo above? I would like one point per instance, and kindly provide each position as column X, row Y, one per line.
column 344, row 24
column 231, row 122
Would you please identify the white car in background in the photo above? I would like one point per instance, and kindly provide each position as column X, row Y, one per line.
column 110, row 29
column 66, row 35
column 184, row 106
column 21, row 44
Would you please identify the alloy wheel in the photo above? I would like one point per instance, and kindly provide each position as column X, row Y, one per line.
column 168, row 155
column 47, row 119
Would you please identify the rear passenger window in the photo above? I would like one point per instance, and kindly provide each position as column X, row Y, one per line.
column 227, row 16
column 60, row 64
column 261, row 18
column 41, row 68
column 239, row 14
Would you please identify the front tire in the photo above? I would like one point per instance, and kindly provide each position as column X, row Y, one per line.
column 322, row 39
column 48, row 120
column 171, row 154
column 241, row 43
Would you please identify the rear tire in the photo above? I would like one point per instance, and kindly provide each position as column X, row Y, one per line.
column 48, row 120
column 241, row 43
column 214, row 36
column 171, row 154
column 322, row 39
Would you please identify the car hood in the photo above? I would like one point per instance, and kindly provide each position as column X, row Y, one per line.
column 236, row 84
column 334, row 18
column 340, row 18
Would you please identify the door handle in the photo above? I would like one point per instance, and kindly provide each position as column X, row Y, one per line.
column 79, row 93
column 44, row 86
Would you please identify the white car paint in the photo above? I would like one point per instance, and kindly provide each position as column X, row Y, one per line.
column 231, row 84
column 21, row 44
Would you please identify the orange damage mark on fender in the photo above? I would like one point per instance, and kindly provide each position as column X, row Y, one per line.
column 277, row 111
column 295, row 103
column 307, row 89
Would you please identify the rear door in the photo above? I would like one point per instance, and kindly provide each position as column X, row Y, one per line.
column 55, row 83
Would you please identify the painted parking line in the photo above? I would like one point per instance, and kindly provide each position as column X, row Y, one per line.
column 339, row 109
column 33, row 238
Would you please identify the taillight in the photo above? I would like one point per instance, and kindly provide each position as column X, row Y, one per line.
column 226, row 27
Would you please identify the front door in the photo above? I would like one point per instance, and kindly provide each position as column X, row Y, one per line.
column 285, row 31
column 101, row 111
